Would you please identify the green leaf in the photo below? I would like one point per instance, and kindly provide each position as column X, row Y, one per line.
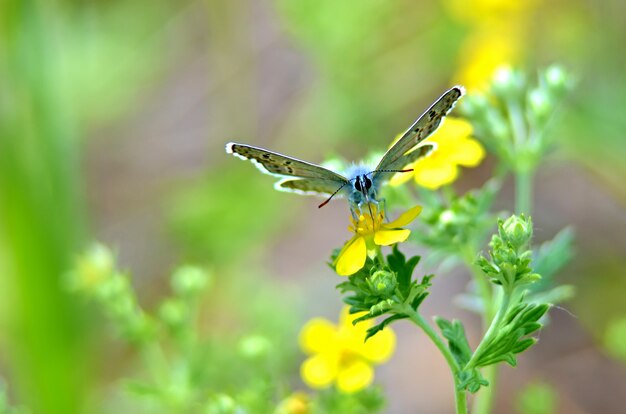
column 512, row 338
column 377, row 328
column 454, row 332
column 552, row 255
column 471, row 380
column 403, row 268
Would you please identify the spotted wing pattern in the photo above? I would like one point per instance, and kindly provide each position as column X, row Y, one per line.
column 425, row 125
column 308, row 186
column 300, row 176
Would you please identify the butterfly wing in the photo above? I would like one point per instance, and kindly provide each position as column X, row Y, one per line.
column 298, row 176
column 396, row 157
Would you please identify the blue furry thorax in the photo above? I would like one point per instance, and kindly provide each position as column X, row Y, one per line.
column 355, row 170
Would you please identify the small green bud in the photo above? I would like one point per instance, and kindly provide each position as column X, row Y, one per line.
column 173, row 312
column 539, row 105
column 189, row 280
column 254, row 346
column 381, row 307
column 93, row 268
column 221, row 404
column 516, row 230
column 507, row 82
column 383, row 283
column 557, row 80
column 447, row 217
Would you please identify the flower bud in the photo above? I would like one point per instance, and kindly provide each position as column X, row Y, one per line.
column 539, row 105
column 189, row 280
column 507, row 82
column 173, row 313
column 94, row 267
column 383, row 283
column 516, row 230
column 557, row 80
column 254, row 346
column 221, row 404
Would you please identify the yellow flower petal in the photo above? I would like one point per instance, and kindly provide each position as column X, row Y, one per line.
column 455, row 127
column 389, row 237
column 317, row 336
column 348, row 329
column 354, row 376
column 486, row 50
column 379, row 347
column 320, row 370
column 469, row 153
column 351, row 259
column 433, row 175
column 405, row 218
column 401, row 178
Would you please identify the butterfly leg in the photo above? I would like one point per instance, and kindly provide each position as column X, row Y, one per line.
column 383, row 204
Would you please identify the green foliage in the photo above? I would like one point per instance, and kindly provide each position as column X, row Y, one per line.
column 454, row 332
column 537, row 398
column 615, row 339
column 453, row 223
column 511, row 118
column 399, row 290
column 510, row 335
column 5, row 406
column 214, row 220
column 510, row 260
column 370, row 400
column 182, row 371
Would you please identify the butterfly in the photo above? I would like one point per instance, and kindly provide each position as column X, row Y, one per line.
column 359, row 183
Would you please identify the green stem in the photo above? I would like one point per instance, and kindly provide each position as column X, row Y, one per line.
column 523, row 191
column 379, row 255
column 493, row 329
column 483, row 401
column 459, row 394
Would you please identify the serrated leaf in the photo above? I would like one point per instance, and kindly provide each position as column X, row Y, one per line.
column 454, row 332
column 377, row 328
column 554, row 254
column 523, row 345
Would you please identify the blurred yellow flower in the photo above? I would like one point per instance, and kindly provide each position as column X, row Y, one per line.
column 484, row 52
column 369, row 231
column 454, row 147
column 296, row 403
column 479, row 12
column 498, row 33
column 339, row 353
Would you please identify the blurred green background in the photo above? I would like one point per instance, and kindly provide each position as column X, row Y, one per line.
column 113, row 120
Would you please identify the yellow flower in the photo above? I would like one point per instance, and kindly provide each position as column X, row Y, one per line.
column 369, row 231
column 454, row 147
column 339, row 353
column 296, row 403
column 481, row 12
column 487, row 50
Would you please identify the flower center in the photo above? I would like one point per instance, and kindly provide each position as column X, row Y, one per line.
column 369, row 221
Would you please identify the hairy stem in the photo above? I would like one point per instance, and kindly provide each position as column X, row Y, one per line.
column 459, row 394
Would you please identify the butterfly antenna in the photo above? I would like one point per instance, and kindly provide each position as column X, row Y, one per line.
column 332, row 195
column 390, row 171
